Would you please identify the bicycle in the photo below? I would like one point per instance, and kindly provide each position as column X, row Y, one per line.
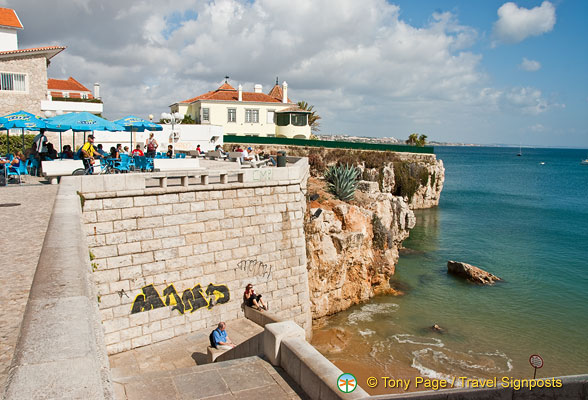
column 105, row 168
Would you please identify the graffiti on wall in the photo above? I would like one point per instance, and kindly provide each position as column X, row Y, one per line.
column 255, row 267
column 191, row 300
column 262, row 174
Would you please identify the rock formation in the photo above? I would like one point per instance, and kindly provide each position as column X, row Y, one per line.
column 471, row 273
column 344, row 266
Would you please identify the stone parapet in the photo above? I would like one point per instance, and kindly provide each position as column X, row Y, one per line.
column 61, row 351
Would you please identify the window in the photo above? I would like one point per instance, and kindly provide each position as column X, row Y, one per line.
column 270, row 116
column 252, row 116
column 299, row 119
column 206, row 114
column 65, row 95
column 232, row 115
column 283, row 119
column 84, row 95
column 13, row 82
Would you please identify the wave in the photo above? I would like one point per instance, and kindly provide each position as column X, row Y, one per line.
column 412, row 339
column 445, row 363
column 368, row 311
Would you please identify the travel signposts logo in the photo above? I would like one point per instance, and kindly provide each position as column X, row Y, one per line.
column 346, row 383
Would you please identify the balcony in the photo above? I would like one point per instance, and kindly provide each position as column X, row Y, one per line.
column 67, row 105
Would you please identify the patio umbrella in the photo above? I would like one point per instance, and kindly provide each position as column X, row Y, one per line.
column 20, row 119
column 81, row 122
column 136, row 124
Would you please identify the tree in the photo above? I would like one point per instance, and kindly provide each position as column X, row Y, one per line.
column 413, row 139
column 313, row 117
column 422, row 140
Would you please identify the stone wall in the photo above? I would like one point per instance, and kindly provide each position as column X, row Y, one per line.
column 36, row 69
column 171, row 260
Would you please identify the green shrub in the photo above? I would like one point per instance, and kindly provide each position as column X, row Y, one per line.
column 342, row 181
column 408, row 178
column 15, row 140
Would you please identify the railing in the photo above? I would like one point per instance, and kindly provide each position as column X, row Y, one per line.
column 331, row 144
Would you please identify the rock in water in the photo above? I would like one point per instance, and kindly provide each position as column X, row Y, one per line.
column 471, row 273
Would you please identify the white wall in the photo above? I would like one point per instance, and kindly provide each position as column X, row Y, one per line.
column 207, row 136
column 71, row 106
column 8, row 39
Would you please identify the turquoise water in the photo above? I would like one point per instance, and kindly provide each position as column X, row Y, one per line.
column 522, row 220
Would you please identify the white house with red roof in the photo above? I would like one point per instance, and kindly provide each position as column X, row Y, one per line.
column 69, row 95
column 248, row 113
column 23, row 77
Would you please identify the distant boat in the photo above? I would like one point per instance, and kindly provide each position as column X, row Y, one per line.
column 584, row 162
column 520, row 151
column 542, row 163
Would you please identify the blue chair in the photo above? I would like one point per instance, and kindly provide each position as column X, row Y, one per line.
column 19, row 171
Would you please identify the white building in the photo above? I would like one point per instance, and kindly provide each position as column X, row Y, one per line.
column 248, row 113
column 9, row 24
column 69, row 95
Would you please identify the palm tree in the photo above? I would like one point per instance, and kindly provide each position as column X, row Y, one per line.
column 313, row 117
column 413, row 139
column 422, row 140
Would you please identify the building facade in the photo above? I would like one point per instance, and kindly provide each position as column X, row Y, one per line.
column 248, row 113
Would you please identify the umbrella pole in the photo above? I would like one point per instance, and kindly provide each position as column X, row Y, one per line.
column 7, row 141
column 60, row 146
column 23, row 145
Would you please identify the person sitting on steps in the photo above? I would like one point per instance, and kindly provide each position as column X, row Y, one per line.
column 219, row 338
column 251, row 299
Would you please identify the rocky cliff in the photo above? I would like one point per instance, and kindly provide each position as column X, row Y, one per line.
column 352, row 248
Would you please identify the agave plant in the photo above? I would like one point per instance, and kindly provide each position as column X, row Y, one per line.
column 342, row 181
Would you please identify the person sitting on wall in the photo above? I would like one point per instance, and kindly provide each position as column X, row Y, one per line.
column 170, row 151
column 199, row 150
column 219, row 338
column 219, row 148
column 251, row 299
column 138, row 151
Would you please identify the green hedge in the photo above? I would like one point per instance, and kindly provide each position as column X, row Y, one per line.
column 327, row 144
column 15, row 142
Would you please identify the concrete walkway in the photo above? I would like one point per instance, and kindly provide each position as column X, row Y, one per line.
column 177, row 369
column 24, row 214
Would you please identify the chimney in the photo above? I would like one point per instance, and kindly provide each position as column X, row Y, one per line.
column 97, row 91
column 240, row 93
column 285, row 91
column 257, row 88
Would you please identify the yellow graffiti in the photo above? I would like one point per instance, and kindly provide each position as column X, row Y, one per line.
column 192, row 298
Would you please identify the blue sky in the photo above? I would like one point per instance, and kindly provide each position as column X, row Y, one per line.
column 482, row 72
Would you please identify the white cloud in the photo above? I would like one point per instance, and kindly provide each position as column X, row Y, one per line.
column 537, row 128
column 515, row 24
column 364, row 68
column 530, row 65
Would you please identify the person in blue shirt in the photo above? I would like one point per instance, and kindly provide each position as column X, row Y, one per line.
column 221, row 339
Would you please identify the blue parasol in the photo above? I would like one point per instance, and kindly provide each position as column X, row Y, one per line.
column 81, row 122
column 23, row 120
column 136, row 124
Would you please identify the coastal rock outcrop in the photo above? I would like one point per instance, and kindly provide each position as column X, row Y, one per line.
column 345, row 267
column 471, row 273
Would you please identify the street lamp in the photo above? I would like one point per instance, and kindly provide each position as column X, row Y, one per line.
column 173, row 118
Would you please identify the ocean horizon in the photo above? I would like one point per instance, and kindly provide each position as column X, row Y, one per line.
column 524, row 219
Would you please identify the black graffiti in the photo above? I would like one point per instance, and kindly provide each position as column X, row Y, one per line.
column 149, row 300
column 255, row 267
column 192, row 299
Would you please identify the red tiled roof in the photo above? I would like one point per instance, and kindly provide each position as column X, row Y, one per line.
column 56, row 94
column 227, row 93
column 69, row 84
column 277, row 93
column 293, row 109
column 51, row 49
column 9, row 18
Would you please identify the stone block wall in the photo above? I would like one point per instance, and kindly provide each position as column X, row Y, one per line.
column 178, row 260
column 35, row 67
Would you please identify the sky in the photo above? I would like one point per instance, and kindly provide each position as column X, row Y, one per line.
column 486, row 72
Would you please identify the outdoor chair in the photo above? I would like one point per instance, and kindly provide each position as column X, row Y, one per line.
column 18, row 171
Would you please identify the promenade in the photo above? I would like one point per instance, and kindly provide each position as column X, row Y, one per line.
column 24, row 214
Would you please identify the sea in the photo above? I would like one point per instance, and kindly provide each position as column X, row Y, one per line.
column 522, row 218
